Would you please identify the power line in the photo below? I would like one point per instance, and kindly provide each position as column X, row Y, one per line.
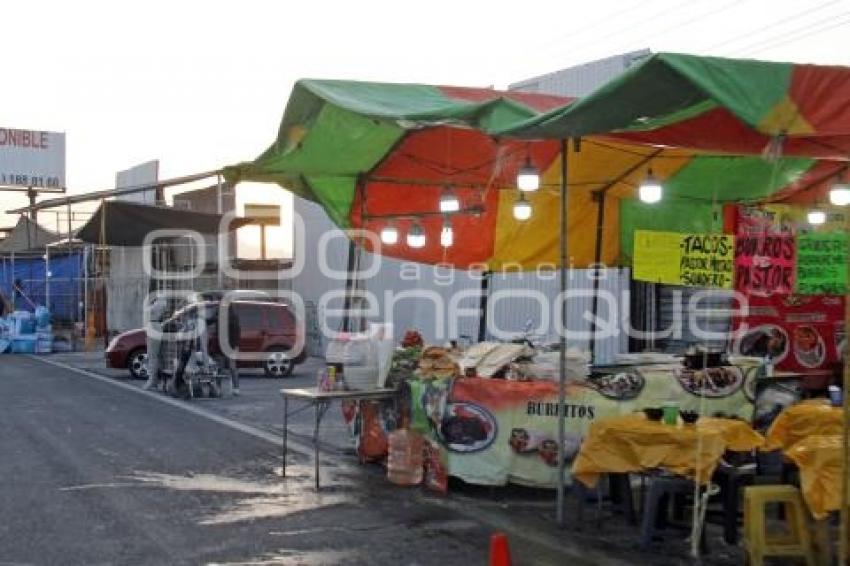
column 786, row 33
column 749, row 34
column 593, row 25
column 690, row 21
column 826, row 28
column 791, row 35
column 634, row 25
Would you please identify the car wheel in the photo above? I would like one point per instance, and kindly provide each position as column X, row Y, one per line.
column 278, row 364
column 137, row 363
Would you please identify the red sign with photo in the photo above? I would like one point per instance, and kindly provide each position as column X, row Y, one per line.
column 798, row 332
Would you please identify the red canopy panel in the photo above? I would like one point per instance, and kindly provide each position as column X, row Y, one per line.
column 535, row 101
column 727, row 134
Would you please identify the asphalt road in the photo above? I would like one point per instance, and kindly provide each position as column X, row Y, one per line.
column 92, row 473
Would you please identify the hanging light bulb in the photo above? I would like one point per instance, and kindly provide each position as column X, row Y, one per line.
column 522, row 208
column 416, row 236
column 528, row 177
column 447, row 234
column 650, row 190
column 389, row 234
column 816, row 217
column 449, row 201
column 839, row 194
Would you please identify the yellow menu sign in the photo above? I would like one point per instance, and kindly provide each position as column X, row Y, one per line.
column 696, row 260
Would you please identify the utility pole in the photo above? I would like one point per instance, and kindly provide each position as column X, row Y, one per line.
column 32, row 194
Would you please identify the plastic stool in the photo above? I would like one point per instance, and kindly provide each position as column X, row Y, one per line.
column 797, row 543
column 732, row 480
column 655, row 506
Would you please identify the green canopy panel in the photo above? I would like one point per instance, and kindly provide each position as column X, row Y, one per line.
column 712, row 130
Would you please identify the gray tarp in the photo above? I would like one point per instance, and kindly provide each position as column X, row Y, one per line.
column 27, row 236
column 118, row 223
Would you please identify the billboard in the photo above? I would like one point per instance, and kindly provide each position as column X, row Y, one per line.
column 265, row 214
column 32, row 158
column 146, row 173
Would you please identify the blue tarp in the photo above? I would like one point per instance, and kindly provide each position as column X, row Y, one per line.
column 66, row 284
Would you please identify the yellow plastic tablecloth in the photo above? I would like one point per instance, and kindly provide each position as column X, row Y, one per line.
column 819, row 459
column 814, row 417
column 632, row 444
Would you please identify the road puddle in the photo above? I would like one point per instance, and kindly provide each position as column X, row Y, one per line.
column 294, row 558
column 254, row 499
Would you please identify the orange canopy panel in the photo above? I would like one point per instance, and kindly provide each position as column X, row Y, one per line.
column 713, row 130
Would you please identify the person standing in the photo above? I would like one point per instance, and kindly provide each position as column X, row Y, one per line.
column 234, row 332
column 5, row 305
column 153, row 339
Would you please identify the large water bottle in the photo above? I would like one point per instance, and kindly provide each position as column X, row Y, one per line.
column 42, row 318
column 404, row 464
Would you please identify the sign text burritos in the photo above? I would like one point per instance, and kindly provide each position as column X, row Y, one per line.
column 31, row 158
column 699, row 260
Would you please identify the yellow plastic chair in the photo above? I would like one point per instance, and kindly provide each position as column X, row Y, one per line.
column 797, row 542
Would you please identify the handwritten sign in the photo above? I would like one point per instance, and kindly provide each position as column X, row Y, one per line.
column 822, row 263
column 764, row 264
column 773, row 219
column 696, row 260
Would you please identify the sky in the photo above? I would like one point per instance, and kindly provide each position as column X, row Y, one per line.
column 200, row 85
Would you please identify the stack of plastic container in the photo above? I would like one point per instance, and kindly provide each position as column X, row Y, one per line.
column 23, row 332
column 361, row 364
column 404, row 461
column 43, row 331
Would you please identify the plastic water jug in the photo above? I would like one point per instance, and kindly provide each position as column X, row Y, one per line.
column 404, row 464
column 42, row 317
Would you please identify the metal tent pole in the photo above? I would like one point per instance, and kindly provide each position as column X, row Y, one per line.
column 482, row 305
column 219, row 208
column 599, row 197
column 86, row 259
column 349, row 285
column 562, row 346
column 843, row 551
column 47, row 277
column 14, row 282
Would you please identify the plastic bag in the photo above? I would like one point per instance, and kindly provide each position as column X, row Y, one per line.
column 436, row 474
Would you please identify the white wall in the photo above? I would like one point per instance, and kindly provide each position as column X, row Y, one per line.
column 432, row 311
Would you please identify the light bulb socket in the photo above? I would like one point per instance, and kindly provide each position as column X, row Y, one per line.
column 528, row 177
column 522, row 208
column 650, row 190
column 389, row 235
column 816, row 217
column 447, row 235
column 839, row 194
column 416, row 236
column 449, row 201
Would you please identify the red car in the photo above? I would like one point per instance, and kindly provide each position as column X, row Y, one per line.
column 265, row 327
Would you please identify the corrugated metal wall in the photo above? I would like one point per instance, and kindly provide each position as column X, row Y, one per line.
column 516, row 299
column 581, row 80
column 442, row 303
column 684, row 316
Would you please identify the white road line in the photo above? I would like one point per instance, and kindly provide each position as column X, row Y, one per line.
column 293, row 445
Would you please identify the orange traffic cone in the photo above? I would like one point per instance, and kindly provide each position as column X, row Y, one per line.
column 500, row 554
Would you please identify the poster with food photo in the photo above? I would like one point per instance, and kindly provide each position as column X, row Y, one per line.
column 798, row 332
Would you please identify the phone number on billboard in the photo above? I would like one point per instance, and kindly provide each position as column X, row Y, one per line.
column 21, row 180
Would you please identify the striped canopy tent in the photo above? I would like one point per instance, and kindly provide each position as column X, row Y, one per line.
column 713, row 131
column 375, row 153
column 750, row 131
